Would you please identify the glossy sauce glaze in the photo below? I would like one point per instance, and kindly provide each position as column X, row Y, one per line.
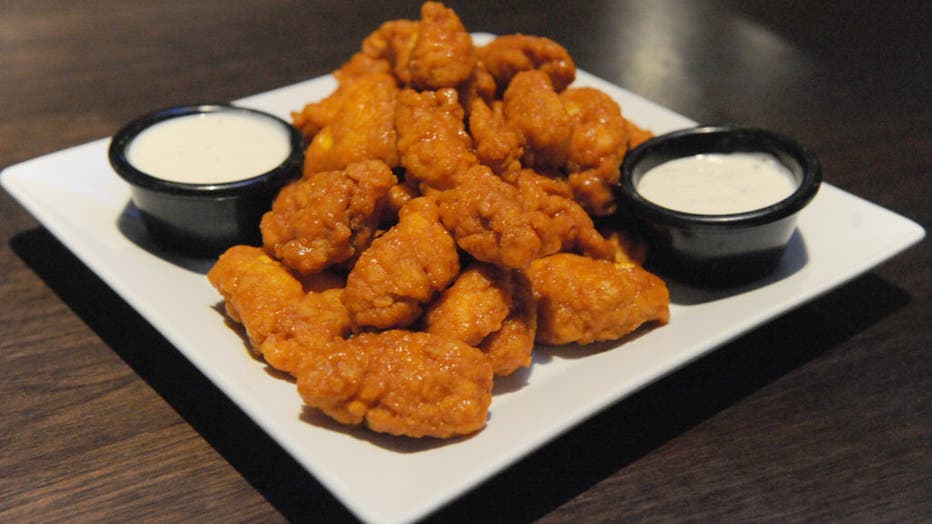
column 718, row 183
column 210, row 148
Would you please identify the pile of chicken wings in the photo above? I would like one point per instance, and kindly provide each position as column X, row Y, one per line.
column 445, row 223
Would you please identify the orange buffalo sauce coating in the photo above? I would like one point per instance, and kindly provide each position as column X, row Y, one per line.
column 445, row 223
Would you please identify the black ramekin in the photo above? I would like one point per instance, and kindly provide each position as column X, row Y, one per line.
column 202, row 219
column 717, row 250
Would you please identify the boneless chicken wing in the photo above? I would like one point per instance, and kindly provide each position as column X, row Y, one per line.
column 508, row 55
column 327, row 218
column 491, row 308
column 443, row 54
column 475, row 305
column 561, row 223
column 403, row 383
column 311, row 329
column 535, row 110
column 314, row 116
column 486, row 216
column 598, row 144
column 512, row 222
column 363, row 128
column 509, row 349
column 432, row 139
column 402, row 270
column 255, row 289
column 392, row 42
column 498, row 145
column 285, row 325
column 431, row 53
column 585, row 300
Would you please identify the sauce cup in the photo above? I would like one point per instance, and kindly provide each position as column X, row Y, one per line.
column 708, row 248
column 197, row 176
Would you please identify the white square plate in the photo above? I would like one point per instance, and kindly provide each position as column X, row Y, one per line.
column 75, row 194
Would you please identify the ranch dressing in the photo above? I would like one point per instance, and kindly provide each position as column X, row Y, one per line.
column 210, row 148
column 718, row 183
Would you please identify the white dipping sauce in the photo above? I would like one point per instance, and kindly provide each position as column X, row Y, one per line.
column 718, row 183
column 210, row 148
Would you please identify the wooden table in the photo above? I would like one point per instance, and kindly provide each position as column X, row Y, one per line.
column 824, row 414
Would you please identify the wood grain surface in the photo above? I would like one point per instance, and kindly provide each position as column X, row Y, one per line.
column 824, row 414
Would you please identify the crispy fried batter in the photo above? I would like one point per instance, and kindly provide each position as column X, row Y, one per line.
column 403, row 383
column 392, row 42
column 488, row 220
column 363, row 127
column 316, row 115
column 402, row 270
column 327, row 218
column 285, row 324
column 480, row 85
column 443, row 54
column 475, row 305
column 585, row 300
column 255, row 289
column 561, row 223
column 598, row 145
column 508, row 55
column 509, row 349
column 432, row 138
column 309, row 330
column 498, row 145
column 535, row 110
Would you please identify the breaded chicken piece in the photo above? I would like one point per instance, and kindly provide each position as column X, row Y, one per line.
column 584, row 300
column 598, row 145
column 314, row 116
column 393, row 42
column 497, row 144
column 402, row 270
column 535, row 110
column 480, row 85
column 432, row 138
column 363, row 128
column 475, row 305
column 327, row 218
column 308, row 330
column 508, row 55
column 490, row 308
column 255, row 289
column 427, row 54
column 511, row 224
column 403, row 383
column 285, row 324
column 509, row 349
column 443, row 54
column 488, row 219
column 561, row 223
